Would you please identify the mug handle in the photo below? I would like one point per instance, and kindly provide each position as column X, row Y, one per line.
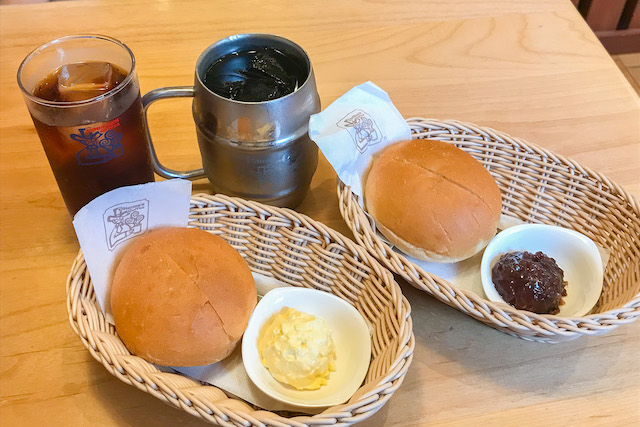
column 148, row 99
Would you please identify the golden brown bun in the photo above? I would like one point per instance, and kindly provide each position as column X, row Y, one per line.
column 181, row 297
column 432, row 200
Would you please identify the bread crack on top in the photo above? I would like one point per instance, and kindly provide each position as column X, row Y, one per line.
column 446, row 178
column 432, row 200
column 208, row 306
column 181, row 297
column 193, row 271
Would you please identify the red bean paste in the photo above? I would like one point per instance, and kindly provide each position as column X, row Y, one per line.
column 532, row 282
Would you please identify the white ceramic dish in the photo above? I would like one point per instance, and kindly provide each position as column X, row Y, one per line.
column 574, row 253
column 350, row 336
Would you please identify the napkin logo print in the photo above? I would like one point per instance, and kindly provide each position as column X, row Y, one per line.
column 101, row 144
column 363, row 129
column 125, row 221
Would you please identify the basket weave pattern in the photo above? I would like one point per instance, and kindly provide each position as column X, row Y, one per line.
column 294, row 249
column 537, row 186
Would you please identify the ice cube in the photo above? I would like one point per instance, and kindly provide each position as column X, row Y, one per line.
column 85, row 80
column 268, row 65
column 253, row 75
column 264, row 79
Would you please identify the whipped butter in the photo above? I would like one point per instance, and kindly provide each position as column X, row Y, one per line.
column 297, row 349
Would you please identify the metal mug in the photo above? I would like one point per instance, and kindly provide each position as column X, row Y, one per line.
column 255, row 150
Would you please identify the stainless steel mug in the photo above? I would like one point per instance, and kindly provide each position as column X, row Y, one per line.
column 255, row 150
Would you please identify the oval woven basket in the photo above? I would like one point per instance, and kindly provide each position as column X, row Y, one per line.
column 537, row 186
column 294, row 249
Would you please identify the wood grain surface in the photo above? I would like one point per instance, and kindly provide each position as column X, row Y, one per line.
column 531, row 68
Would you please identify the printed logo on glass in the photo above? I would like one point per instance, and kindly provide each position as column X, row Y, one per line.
column 101, row 144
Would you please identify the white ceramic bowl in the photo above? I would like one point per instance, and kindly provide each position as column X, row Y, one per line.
column 574, row 253
column 350, row 336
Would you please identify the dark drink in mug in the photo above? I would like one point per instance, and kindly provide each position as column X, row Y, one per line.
column 85, row 104
column 253, row 95
column 255, row 75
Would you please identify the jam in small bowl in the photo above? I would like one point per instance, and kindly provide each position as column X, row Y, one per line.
column 543, row 269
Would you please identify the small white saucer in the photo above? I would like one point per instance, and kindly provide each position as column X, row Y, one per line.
column 575, row 254
column 350, row 336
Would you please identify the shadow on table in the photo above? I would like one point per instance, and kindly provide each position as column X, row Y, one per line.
column 463, row 368
column 461, row 347
column 129, row 406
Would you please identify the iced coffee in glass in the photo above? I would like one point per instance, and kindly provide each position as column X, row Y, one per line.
column 83, row 95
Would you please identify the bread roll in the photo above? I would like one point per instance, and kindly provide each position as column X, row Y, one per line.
column 181, row 297
column 432, row 200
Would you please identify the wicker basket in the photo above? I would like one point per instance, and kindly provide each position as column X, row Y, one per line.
column 538, row 187
column 294, row 249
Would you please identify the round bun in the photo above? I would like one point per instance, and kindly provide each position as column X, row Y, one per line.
column 181, row 297
column 432, row 200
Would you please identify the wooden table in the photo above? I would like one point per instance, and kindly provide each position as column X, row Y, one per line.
column 531, row 68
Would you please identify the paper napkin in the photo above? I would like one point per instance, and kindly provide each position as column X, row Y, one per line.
column 107, row 223
column 356, row 126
